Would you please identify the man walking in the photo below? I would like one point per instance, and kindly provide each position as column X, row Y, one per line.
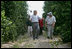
column 29, row 24
column 41, row 25
column 35, row 24
column 50, row 23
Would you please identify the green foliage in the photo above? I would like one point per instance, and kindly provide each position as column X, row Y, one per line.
column 13, row 19
column 62, row 11
column 2, row 5
column 9, row 9
column 21, row 16
column 8, row 30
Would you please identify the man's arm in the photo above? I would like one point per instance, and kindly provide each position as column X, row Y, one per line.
column 54, row 22
column 30, row 18
column 43, row 18
column 39, row 18
column 45, row 24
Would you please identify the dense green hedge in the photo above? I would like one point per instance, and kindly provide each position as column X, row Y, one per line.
column 13, row 19
column 8, row 29
column 62, row 11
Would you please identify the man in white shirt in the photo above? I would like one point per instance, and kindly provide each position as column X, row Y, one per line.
column 35, row 24
column 50, row 23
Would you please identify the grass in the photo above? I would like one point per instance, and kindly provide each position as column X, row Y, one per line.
column 15, row 46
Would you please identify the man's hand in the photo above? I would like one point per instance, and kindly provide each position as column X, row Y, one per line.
column 30, row 19
column 45, row 24
column 43, row 18
column 53, row 24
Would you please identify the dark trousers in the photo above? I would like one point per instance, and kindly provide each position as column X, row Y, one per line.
column 41, row 28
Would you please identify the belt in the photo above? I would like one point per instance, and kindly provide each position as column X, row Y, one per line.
column 49, row 24
column 35, row 22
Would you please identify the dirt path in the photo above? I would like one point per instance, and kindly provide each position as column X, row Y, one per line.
column 27, row 42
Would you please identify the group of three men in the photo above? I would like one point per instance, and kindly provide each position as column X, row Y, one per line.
column 37, row 24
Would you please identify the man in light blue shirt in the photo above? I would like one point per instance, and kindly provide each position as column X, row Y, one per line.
column 50, row 23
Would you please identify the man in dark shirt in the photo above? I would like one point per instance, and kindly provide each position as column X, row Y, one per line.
column 29, row 24
column 41, row 26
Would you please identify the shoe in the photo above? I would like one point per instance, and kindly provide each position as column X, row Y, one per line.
column 36, row 37
column 51, row 38
column 33, row 38
column 48, row 37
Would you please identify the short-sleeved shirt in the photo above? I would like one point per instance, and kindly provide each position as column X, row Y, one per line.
column 50, row 20
column 35, row 18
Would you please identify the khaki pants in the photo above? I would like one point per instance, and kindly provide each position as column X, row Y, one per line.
column 50, row 29
column 35, row 27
